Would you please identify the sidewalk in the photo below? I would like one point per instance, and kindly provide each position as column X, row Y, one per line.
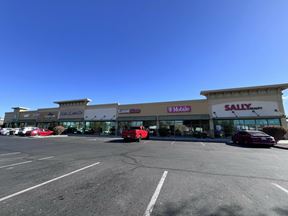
column 215, row 140
column 282, row 144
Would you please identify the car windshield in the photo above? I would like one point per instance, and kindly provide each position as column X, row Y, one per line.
column 258, row 133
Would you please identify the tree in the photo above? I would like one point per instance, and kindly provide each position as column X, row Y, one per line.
column 58, row 130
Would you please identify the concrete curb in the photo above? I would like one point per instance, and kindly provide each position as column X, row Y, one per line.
column 281, row 147
column 209, row 140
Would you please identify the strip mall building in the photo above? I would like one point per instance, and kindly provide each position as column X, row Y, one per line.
column 220, row 114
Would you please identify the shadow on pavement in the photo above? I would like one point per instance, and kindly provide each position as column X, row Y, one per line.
column 247, row 146
column 185, row 208
column 116, row 141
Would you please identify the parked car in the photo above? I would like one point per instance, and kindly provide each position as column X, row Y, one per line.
column 16, row 131
column 253, row 138
column 6, row 131
column 39, row 132
column 24, row 130
column 135, row 133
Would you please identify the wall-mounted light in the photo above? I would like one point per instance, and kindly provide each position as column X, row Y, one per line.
column 235, row 114
column 253, row 111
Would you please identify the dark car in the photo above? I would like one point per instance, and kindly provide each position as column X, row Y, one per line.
column 253, row 138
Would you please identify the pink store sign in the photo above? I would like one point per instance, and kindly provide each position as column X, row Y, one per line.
column 178, row 109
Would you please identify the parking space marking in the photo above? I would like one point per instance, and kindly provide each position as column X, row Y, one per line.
column 147, row 141
column 46, row 158
column 47, row 182
column 172, row 143
column 203, row 144
column 15, row 164
column 155, row 195
column 12, row 153
column 280, row 187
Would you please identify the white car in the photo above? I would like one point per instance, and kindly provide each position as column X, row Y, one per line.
column 23, row 131
column 6, row 131
column 16, row 131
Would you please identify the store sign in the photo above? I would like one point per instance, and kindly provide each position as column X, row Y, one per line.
column 129, row 111
column 245, row 109
column 178, row 109
column 34, row 115
column 101, row 114
column 50, row 115
column 71, row 113
column 243, row 106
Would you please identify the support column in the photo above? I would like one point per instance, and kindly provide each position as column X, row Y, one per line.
column 211, row 128
column 116, row 128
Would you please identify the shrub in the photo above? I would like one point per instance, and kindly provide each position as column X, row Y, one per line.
column 277, row 132
column 58, row 130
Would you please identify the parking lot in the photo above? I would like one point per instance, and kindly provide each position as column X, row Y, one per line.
column 105, row 176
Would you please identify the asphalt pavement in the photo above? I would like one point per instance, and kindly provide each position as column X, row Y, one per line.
column 105, row 176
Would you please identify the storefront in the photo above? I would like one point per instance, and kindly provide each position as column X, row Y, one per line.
column 220, row 114
column 47, row 118
column 27, row 119
column 176, row 118
column 251, row 108
column 101, row 119
column 71, row 115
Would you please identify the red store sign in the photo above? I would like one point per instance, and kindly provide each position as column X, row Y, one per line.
column 178, row 109
column 129, row 111
column 239, row 107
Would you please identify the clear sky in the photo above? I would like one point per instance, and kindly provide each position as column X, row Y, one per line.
column 130, row 51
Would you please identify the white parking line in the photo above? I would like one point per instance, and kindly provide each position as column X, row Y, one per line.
column 280, row 187
column 46, row 158
column 47, row 182
column 172, row 143
column 12, row 153
column 15, row 164
column 155, row 195
column 203, row 144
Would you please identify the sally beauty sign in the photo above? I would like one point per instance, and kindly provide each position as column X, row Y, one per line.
column 245, row 109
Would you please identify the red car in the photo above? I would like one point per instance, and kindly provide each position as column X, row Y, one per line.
column 253, row 138
column 135, row 133
column 39, row 132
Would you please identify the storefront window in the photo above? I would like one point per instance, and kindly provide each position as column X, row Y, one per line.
column 166, row 128
column 100, row 128
column 225, row 128
column 73, row 127
column 260, row 123
column 274, row 122
column 189, row 128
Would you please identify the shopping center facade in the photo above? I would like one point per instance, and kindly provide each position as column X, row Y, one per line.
column 221, row 113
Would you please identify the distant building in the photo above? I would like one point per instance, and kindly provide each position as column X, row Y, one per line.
column 1, row 121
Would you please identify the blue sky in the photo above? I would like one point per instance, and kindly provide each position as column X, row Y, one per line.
column 132, row 51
